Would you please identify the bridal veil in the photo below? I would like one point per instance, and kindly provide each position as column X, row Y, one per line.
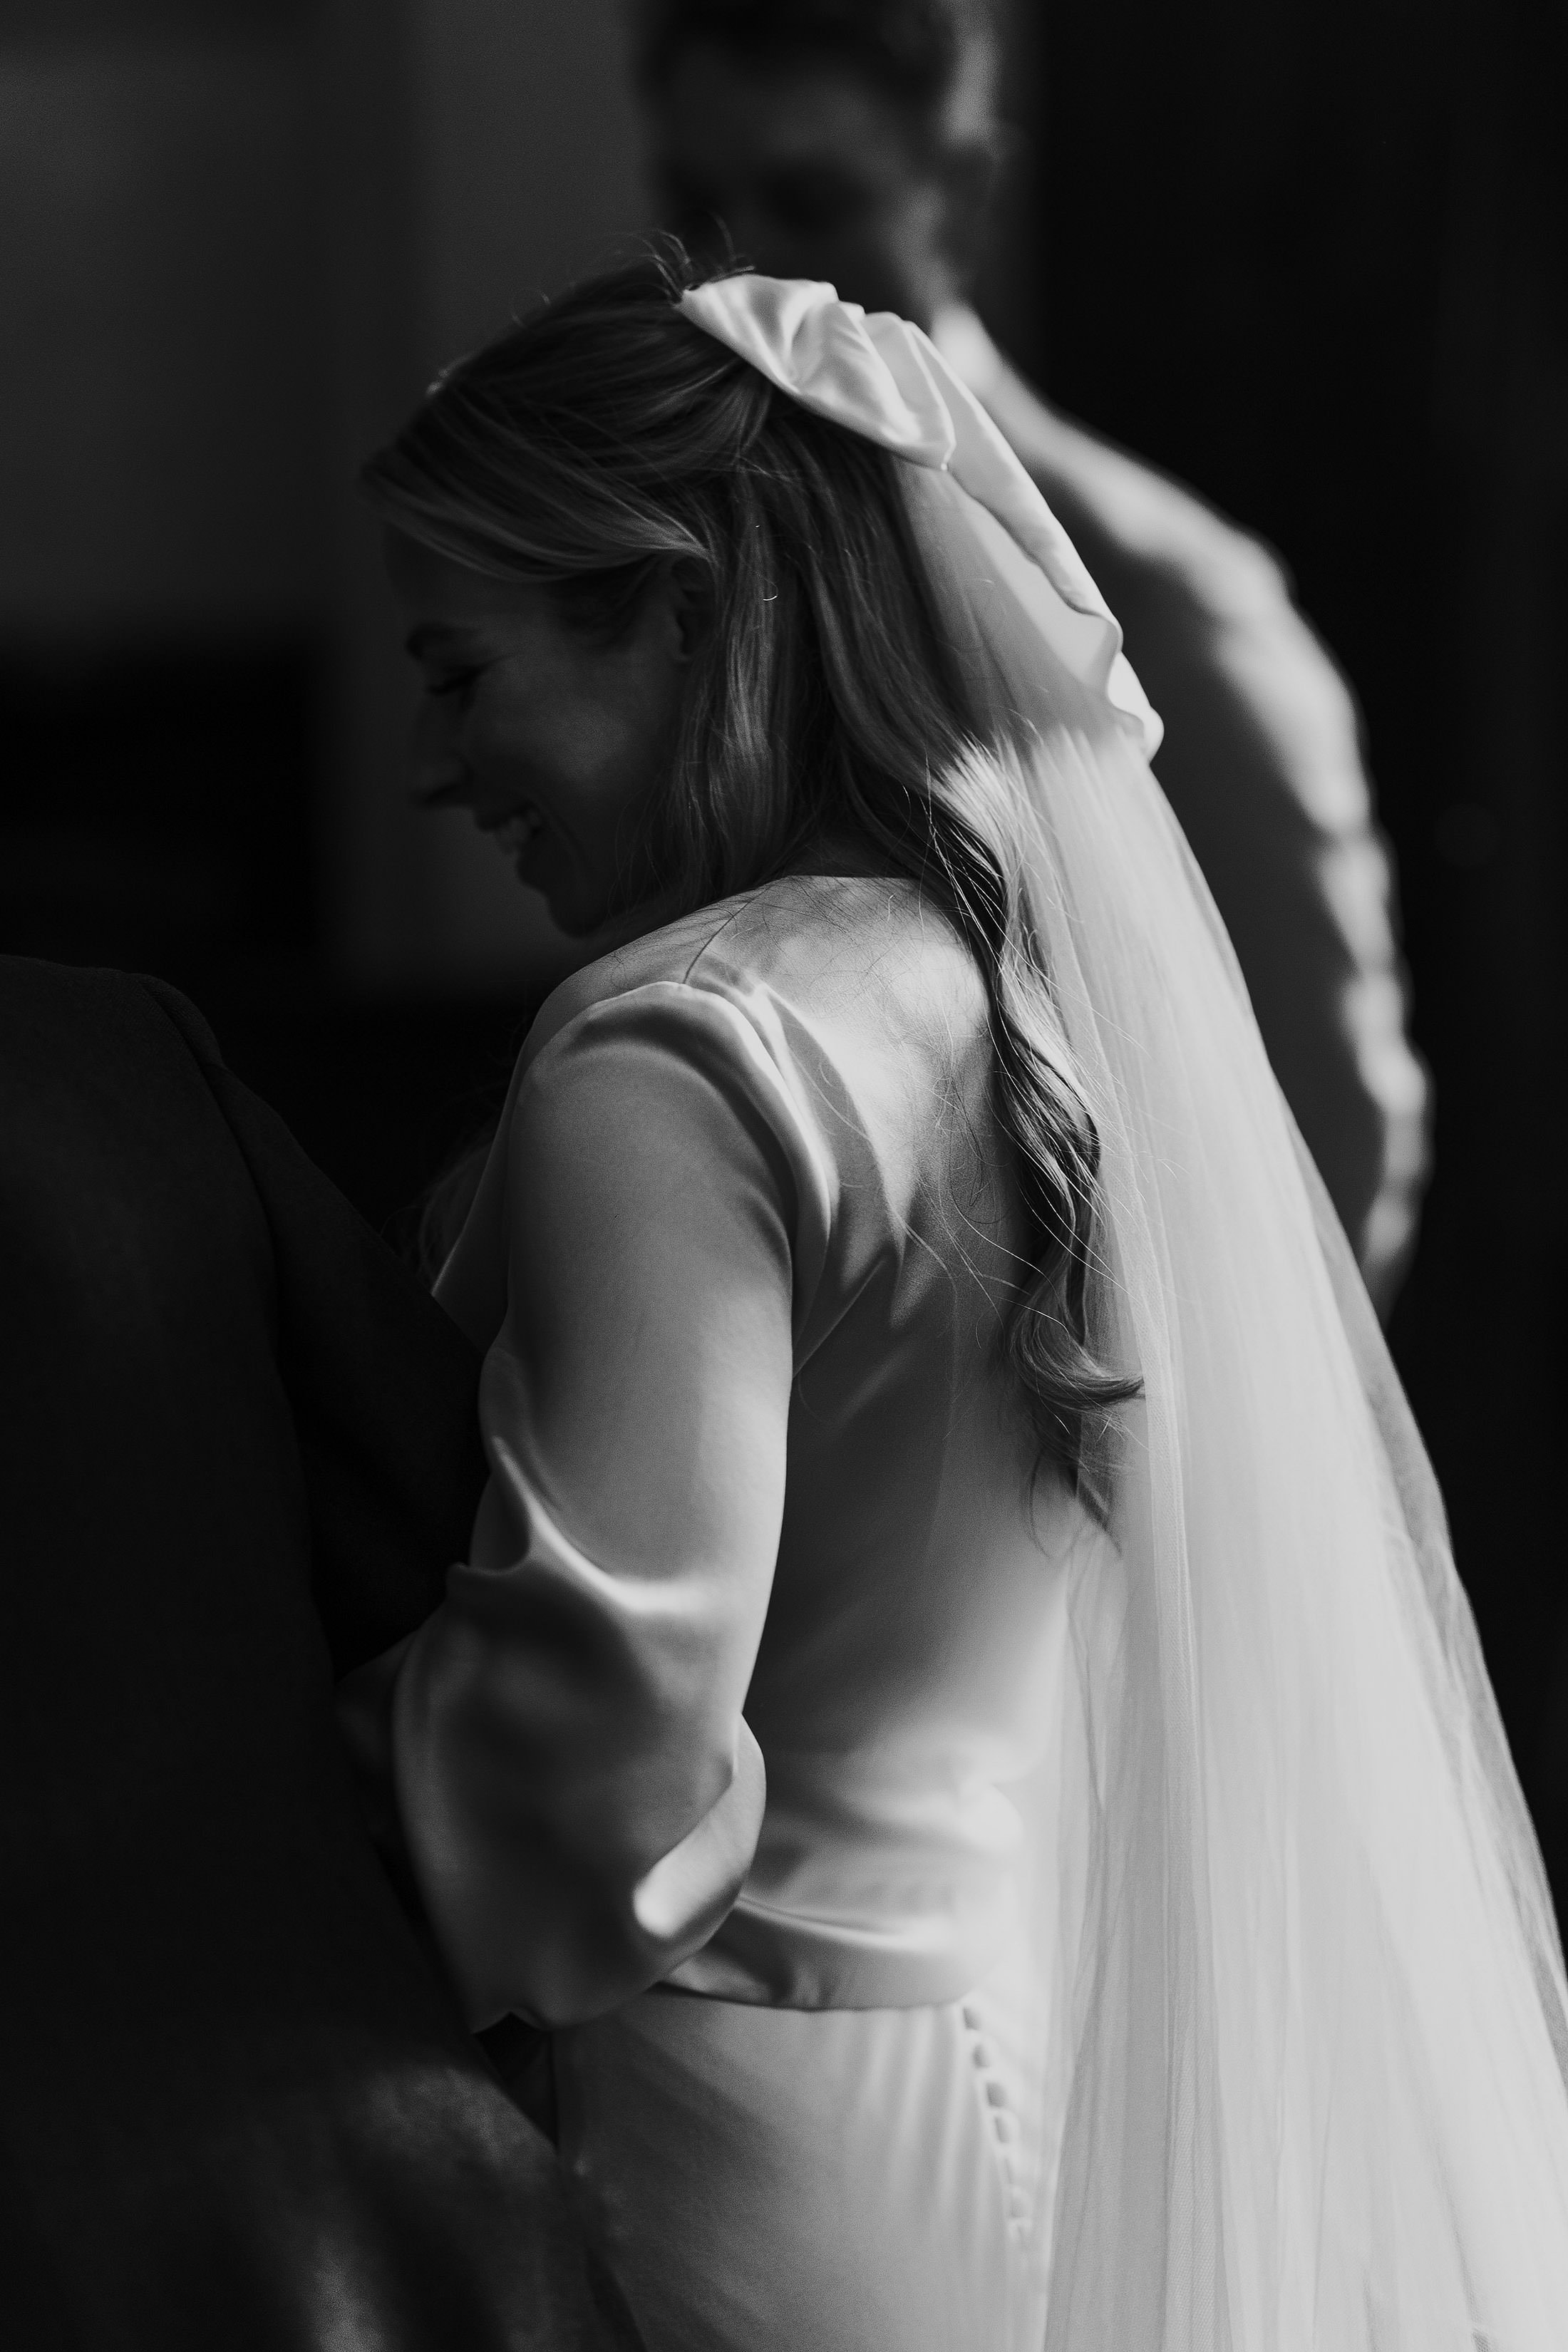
column 1309, row 2021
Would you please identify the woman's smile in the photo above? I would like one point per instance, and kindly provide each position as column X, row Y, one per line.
column 514, row 832
column 522, row 835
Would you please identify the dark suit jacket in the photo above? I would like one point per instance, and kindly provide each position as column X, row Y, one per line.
column 237, row 1451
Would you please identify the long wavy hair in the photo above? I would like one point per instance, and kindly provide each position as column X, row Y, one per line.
column 605, row 437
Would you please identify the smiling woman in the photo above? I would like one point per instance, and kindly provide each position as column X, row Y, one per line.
column 678, row 642
column 554, row 726
column 957, row 1715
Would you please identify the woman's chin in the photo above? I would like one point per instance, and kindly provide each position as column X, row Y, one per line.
column 571, row 921
column 575, row 914
column 537, row 865
column 580, row 905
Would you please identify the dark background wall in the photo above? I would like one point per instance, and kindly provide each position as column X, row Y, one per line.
column 161, row 532
column 236, row 238
column 1310, row 257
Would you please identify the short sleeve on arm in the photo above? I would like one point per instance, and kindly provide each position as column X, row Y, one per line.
column 580, row 1794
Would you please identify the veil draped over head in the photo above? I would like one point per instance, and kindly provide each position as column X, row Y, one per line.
column 1308, row 2010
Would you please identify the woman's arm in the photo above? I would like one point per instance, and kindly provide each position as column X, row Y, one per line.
column 580, row 1795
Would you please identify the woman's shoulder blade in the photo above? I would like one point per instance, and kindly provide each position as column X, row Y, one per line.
column 828, row 949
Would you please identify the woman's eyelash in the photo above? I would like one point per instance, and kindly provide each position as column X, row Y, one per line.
column 453, row 683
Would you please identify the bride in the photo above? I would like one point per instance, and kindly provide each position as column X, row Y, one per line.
column 958, row 1715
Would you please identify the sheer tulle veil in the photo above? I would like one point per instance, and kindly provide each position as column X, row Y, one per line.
column 1309, row 2021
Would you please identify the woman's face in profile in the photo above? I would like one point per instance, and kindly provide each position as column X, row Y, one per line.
column 556, row 741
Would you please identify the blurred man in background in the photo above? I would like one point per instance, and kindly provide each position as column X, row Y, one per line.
column 859, row 140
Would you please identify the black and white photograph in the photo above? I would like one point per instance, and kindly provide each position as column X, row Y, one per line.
column 783, row 1176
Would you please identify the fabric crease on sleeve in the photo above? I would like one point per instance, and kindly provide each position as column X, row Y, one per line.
column 579, row 1791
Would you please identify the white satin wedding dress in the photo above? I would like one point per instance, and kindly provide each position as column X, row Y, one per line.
column 739, row 1259
column 1123, row 1943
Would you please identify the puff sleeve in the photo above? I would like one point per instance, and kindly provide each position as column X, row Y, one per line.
column 579, row 1792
